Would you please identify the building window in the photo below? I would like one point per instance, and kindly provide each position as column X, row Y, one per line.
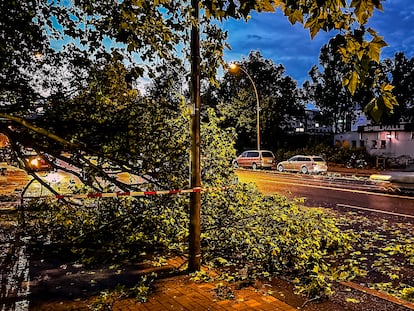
column 374, row 144
column 354, row 144
column 362, row 143
column 383, row 144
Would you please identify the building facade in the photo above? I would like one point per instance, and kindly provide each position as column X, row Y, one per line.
column 386, row 142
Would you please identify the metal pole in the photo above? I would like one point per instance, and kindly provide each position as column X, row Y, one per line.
column 257, row 107
column 194, row 261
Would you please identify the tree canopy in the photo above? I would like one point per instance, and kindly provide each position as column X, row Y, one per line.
column 278, row 99
column 336, row 103
column 70, row 90
column 81, row 60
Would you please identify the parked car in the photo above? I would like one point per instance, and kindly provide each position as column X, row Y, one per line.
column 37, row 163
column 303, row 164
column 255, row 159
column 34, row 161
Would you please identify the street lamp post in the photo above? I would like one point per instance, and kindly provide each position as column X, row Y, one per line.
column 233, row 68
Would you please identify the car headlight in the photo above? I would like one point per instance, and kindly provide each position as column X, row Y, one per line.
column 34, row 162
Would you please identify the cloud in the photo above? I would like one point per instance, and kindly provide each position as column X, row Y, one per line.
column 292, row 46
column 276, row 39
column 254, row 37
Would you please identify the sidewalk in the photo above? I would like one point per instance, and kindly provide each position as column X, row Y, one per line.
column 180, row 293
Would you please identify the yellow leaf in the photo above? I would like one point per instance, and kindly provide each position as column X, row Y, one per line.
column 387, row 87
column 352, row 300
column 296, row 16
column 351, row 82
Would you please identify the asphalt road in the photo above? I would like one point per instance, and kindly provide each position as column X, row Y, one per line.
column 346, row 192
column 13, row 180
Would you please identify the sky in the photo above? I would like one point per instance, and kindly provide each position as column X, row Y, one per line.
column 276, row 39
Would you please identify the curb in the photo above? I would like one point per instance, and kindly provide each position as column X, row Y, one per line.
column 378, row 294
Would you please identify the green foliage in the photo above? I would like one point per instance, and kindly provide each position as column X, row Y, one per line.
column 127, row 227
column 99, row 94
column 251, row 236
column 244, row 233
column 223, row 292
column 140, row 292
column 217, row 152
column 245, row 236
column 120, row 229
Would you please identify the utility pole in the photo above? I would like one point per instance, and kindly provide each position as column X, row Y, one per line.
column 194, row 261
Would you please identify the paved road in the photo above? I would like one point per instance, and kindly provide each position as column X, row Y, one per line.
column 331, row 192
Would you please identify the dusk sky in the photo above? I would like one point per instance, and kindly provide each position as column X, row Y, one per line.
column 276, row 39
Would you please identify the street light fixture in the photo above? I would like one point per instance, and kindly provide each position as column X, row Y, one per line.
column 234, row 68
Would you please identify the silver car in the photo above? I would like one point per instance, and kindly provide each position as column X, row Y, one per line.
column 303, row 164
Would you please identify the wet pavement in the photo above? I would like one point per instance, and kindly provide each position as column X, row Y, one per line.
column 14, row 261
column 14, row 266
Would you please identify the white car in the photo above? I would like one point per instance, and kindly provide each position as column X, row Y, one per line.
column 303, row 164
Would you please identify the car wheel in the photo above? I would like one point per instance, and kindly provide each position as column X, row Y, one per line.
column 254, row 166
column 304, row 170
column 235, row 164
column 280, row 168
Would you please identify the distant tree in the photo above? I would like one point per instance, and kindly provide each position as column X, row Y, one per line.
column 278, row 101
column 326, row 90
column 402, row 74
column 336, row 102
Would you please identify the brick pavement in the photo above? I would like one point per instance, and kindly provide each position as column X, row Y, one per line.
column 179, row 293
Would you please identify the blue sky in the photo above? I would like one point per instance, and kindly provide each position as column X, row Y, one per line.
column 291, row 46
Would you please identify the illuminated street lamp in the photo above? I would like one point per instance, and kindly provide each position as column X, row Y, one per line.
column 234, row 68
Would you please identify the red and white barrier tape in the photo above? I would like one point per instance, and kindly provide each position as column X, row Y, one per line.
column 125, row 194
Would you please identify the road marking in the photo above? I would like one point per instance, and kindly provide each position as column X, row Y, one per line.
column 374, row 210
